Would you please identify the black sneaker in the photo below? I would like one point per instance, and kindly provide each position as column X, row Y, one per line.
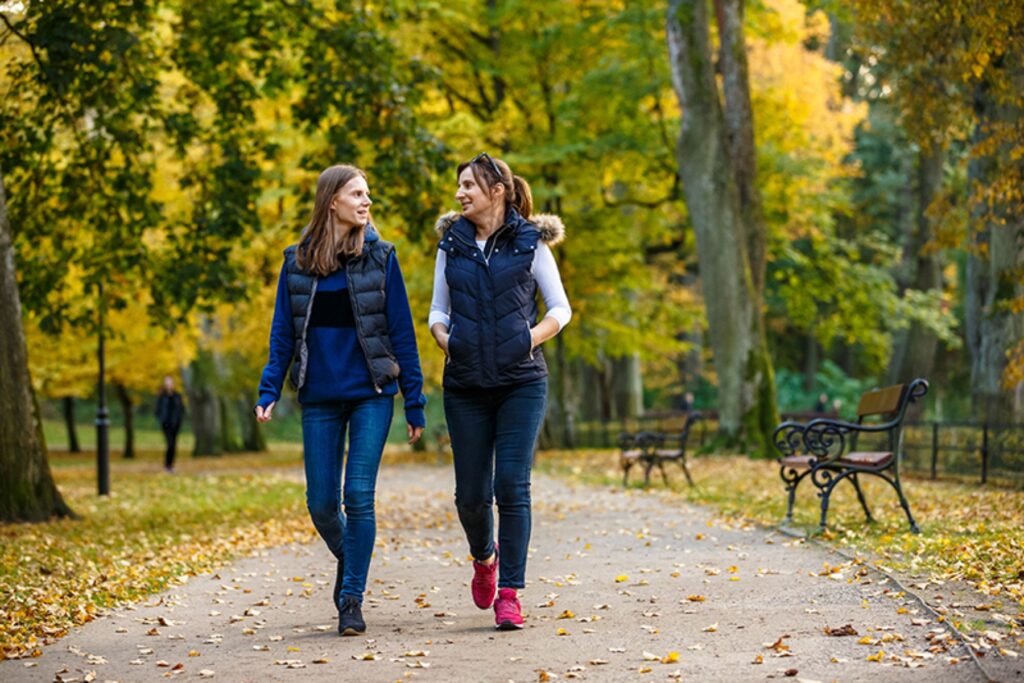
column 338, row 580
column 350, row 617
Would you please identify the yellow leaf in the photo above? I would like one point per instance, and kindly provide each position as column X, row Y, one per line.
column 621, row 578
column 670, row 658
column 877, row 657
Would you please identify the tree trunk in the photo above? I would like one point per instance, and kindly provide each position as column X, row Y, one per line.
column 27, row 490
column 739, row 131
column 129, row 423
column 205, row 408
column 629, row 386
column 746, row 384
column 914, row 351
column 229, row 439
column 253, row 440
column 993, row 266
column 68, row 404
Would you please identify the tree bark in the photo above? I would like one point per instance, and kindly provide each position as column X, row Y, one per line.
column 628, row 386
column 253, row 440
column 739, row 131
column 915, row 350
column 205, row 408
column 746, row 384
column 230, row 442
column 125, row 400
column 993, row 266
column 68, row 405
column 27, row 490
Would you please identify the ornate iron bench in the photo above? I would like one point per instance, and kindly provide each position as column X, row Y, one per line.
column 825, row 449
column 654, row 449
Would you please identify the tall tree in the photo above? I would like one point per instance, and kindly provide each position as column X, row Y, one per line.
column 74, row 143
column 974, row 94
column 27, row 490
column 711, row 178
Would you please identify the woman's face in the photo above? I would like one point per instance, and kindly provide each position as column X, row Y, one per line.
column 476, row 201
column 351, row 205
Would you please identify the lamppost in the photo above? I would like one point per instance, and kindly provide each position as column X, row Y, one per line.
column 102, row 416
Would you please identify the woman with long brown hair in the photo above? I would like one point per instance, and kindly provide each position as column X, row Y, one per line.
column 492, row 261
column 342, row 322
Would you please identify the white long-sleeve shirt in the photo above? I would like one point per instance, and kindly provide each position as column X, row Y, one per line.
column 545, row 272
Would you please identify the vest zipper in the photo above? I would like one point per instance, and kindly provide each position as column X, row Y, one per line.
column 305, row 327
column 359, row 335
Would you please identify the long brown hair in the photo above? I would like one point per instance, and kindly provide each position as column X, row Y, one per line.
column 320, row 247
column 517, row 190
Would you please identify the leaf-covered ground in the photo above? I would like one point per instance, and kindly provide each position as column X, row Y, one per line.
column 157, row 529
column 970, row 533
column 153, row 530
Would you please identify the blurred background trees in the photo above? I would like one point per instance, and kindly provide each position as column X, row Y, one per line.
column 170, row 151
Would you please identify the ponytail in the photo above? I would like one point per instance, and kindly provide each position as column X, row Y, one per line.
column 521, row 198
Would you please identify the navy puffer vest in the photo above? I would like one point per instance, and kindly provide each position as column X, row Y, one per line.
column 366, row 276
column 493, row 305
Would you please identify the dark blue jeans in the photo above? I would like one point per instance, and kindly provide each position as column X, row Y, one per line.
column 349, row 534
column 494, row 435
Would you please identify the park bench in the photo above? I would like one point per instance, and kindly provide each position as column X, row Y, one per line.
column 653, row 449
column 825, row 449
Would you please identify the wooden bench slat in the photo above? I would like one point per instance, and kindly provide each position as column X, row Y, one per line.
column 867, row 458
column 797, row 460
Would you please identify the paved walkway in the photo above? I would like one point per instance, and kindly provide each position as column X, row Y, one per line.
column 623, row 586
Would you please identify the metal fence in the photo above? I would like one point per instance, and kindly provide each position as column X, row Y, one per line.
column 980, row 452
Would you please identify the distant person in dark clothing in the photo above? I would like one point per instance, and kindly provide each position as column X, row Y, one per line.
column 686, row 403
column 169, row 412
column 822, row 405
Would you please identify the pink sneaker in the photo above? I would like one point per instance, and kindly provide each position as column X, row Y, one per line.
column 485, row 582
column 508, row 615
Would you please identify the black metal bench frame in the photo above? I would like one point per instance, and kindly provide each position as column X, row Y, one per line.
column 654, row 449
column 825, row 449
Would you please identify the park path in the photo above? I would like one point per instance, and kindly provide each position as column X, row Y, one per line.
column 618, row 582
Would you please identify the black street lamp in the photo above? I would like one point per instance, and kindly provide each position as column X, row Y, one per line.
column 102, row 418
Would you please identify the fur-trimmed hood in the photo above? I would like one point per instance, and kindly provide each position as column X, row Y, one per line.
column 551, row 227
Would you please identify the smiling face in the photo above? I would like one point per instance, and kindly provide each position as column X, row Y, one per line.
column 476, row 200
column 351, row 204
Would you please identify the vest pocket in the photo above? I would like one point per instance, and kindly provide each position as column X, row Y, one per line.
column 516, row 350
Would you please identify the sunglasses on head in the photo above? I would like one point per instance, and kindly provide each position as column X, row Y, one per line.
column 484, row 156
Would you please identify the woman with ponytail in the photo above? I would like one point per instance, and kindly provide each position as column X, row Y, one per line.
column 492, row 260
column 342, row 323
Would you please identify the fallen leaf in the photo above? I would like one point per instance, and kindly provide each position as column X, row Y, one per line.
column 846, row 630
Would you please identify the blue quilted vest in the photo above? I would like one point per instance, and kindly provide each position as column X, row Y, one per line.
column 493, row 306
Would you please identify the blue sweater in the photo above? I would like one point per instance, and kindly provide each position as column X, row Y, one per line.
column 336, row 369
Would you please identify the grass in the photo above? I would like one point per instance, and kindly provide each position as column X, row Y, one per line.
column 969, row 533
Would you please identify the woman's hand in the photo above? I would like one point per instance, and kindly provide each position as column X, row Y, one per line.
column 542, row 331
column 441, row 336
column 414, row 433
column 264, row 414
